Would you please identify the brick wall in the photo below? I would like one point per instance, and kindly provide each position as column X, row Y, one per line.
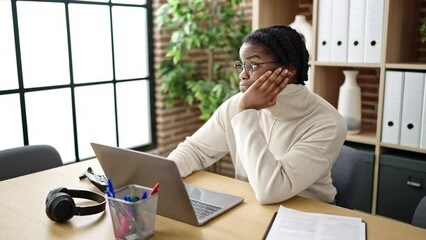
column 422, row 45
column 368, row 80
column 173, row 124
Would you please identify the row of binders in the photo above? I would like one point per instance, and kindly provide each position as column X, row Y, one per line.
column 404, row 109
column 350, row 31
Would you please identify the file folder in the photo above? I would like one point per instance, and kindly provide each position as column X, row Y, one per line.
column 392, row 107
column 356, row 36
column 324, row 30
column 373, row 31
column 423, row 126
column 339, row 32
column 412, row 107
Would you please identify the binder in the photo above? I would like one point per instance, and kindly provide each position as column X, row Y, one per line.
column 324, row 30
column 412, row 107
column 356, row 36
column 392, row 107
column 423, row 126
column 373, row 31
column 339, row 32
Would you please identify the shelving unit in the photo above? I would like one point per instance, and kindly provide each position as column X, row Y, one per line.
column 399, row 52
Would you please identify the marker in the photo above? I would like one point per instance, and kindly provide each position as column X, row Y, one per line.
column 108, row 193
column 111, row 188
column 133, row 198
column 144, row 195
column 154, row 189
column 124, row 227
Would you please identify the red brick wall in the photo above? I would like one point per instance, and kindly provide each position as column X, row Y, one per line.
column 368, row 80
column 173, row 124
column 422, row 45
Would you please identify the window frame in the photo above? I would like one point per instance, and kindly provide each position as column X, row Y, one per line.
column 72, row 86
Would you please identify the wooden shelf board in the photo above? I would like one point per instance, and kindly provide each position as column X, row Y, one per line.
column 408, row 66
column 339, row 64
column 366, row 136
column 405, row 148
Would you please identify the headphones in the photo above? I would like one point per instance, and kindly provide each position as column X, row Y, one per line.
column 60, row 206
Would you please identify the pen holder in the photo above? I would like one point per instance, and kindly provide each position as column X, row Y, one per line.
column 133, row 219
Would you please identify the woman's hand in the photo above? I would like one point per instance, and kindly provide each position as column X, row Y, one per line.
column 263, row 92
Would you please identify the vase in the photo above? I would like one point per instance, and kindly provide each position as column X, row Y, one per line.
column 349, row 104
column 304, row 28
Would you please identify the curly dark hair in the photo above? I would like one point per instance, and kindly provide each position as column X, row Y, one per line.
column 286, row 45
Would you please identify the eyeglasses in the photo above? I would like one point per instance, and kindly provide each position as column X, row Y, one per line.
column 249, row 67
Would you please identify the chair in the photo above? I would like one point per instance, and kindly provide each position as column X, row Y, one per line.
column 24, row 160
column 419, row 216
column 347, row 174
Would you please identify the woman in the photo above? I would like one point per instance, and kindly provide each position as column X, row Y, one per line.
column 282, row 138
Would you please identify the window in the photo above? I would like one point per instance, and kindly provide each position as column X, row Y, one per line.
column 76, row 72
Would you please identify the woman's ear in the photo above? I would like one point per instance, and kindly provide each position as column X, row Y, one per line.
column 291, row 70
column 291, row 73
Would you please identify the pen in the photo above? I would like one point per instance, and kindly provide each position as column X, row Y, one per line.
column 154, row 189
column 111, row 188
column 144, row 195
column 131, row 198
column 124, row 226
column 126, row 222
column 134, row 198
column 108, row 193
column 128, row 212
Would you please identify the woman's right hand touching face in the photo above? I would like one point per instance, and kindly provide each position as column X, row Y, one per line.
column 263, row 92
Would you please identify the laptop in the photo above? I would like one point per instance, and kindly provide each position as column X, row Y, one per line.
column 177, row 200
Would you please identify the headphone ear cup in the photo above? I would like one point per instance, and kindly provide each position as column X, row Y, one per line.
column 60, row 207
column 55, row 191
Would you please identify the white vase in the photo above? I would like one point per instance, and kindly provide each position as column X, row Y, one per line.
column 349, row 105
column 304, row 28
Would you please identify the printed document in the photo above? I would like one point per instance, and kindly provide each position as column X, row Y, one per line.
column 297, row 225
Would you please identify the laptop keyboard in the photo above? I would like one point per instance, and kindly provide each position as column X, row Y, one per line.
column 203, row 209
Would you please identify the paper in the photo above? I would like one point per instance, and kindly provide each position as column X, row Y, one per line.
column 297, row 225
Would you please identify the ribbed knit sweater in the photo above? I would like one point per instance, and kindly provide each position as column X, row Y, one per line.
column 283, row 151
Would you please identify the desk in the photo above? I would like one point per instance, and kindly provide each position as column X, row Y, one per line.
column 22, row 211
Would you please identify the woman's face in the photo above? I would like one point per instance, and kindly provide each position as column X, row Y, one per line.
column 260, row 60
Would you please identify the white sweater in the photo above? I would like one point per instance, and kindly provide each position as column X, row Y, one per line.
column 283, row 151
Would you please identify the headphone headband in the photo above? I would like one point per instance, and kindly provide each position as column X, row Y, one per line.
column 88, row 210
